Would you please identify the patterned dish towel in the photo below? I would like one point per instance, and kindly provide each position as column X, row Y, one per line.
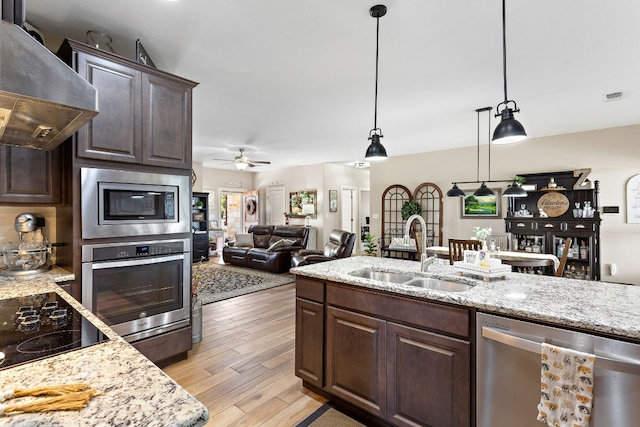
column 566, row 387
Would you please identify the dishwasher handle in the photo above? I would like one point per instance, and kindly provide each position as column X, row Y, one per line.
column 619, row 364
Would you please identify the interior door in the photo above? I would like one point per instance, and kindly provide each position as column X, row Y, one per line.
column 276, row 205
column 348, row 204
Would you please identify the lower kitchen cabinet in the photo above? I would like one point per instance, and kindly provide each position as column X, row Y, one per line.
column 309, row 358
column 403, row 360
column 428, row 378
column 309, row 339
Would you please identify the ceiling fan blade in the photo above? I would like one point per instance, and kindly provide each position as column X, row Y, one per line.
column 261, row 162
column 223, row 160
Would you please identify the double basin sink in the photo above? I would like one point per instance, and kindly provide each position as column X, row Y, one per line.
column 418, row 281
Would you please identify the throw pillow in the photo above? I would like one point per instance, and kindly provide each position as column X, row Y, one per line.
column 280, row 244
column 244, row 240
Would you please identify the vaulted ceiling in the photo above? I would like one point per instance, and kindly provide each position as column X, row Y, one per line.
column 292, row 81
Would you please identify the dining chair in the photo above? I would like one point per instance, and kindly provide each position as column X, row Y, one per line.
column 563, row 258
column 458, row 246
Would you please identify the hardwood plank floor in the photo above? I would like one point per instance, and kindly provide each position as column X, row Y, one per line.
column 243, row 369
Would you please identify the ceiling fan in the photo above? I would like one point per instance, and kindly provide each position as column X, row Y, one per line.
column 242, row 161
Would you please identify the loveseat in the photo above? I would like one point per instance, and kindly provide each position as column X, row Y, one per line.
column 266, row 247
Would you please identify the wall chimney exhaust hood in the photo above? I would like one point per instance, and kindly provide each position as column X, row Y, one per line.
column 42, row 100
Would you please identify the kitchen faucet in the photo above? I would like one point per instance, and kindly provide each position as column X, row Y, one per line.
column 425, row 262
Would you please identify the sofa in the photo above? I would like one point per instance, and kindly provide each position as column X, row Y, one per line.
column 266, row 247
column 340, row 246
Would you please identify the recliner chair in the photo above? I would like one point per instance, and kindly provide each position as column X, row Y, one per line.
column 340, row 246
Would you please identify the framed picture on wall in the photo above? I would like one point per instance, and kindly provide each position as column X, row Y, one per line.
column 480, row 206
column 333, row 200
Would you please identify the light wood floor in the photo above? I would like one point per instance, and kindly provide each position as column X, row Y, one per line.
column 243, row 369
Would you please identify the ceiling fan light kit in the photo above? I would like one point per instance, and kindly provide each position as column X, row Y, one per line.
column 509, row 130
column 242, row 162
column 376, row 150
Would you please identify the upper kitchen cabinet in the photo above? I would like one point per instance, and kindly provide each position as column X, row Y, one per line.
column 29, row 176
column 144, row 113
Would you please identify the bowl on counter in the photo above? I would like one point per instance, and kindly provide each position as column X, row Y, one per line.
column 25, row 256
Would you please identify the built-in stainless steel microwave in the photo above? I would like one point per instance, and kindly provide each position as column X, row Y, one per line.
column 117, row 203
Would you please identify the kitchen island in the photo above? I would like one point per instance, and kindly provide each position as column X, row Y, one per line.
column 407, row 354
column 135, row 391
column 610, row 308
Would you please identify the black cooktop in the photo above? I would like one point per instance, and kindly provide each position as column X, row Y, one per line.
column 42, row 325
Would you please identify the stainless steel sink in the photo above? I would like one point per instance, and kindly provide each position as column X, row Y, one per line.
column 382, row 276
column 439, row 285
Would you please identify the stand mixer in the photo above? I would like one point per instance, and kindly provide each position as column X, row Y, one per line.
column 30, row 254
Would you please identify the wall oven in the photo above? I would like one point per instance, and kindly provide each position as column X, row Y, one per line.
column 118, row 203
column 139, row 289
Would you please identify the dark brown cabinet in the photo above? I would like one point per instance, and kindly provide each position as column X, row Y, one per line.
column 200, row 226
column 566, row 218
column 427, row 378
column 29, row 176
column 309, row 357
column 144, row 114
column 403, row 360
column 356, row 360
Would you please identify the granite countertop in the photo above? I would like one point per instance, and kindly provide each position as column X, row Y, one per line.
column 589, row 305
column 136, row 392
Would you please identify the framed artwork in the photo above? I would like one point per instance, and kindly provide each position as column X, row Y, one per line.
column 333, row 200
column 303, row 203
column 480, row 206
column 142, row 57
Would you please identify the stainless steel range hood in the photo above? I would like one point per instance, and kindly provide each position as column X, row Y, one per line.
column 42, row 100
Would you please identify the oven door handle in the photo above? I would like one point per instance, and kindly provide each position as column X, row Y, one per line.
column 618, row 364
column 134, row 262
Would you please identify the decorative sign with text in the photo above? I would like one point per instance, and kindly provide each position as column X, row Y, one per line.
column 633, row 200
column 554, row 204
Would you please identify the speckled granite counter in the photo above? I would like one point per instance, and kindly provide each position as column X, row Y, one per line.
column 136, row 392
column 593, row 306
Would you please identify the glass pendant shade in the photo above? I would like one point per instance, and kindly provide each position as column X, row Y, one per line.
column 509, row 130
column 514, row 190
column 241, row 165
column 455, row 191
column 375, row 151
column 483, row 191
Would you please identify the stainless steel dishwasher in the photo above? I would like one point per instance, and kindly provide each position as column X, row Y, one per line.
column 508, row 373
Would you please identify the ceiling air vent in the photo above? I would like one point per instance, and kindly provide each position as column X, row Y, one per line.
column 614, row 96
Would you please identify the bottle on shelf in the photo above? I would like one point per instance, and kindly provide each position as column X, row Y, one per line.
column 575, row 250
column 584, row 251
column 560, row 249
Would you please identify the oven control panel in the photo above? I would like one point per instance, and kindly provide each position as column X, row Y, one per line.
column 109, row 251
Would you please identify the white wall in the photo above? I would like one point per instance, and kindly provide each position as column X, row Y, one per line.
column 612, row 154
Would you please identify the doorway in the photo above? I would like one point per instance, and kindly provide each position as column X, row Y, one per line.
column 231, row 213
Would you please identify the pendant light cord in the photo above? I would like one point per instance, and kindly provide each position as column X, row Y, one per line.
column 375, row 107
column 489, row 139
column 504, row 50
column 478, row 146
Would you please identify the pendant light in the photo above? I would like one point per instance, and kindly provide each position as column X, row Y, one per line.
column 513, row 190
column 376, row 150
column 509, row 130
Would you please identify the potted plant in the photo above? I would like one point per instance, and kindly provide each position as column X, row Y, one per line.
column 410, row 208
column 370, row 245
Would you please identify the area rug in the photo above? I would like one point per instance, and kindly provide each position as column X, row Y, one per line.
column 327, row 416
column 217, row 282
